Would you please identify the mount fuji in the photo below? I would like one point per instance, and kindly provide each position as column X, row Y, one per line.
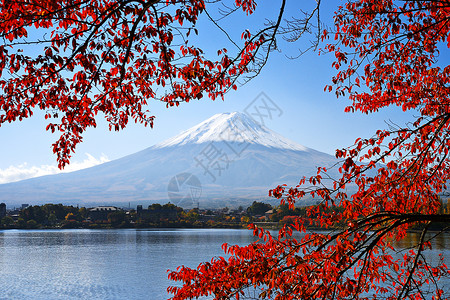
column 227, row 160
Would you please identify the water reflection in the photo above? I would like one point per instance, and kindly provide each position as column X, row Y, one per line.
column 439, row 241
column 115, row 264
column 102, row 264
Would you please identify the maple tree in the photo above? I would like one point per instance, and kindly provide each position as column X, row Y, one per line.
column 387, row 54
column 78, row 59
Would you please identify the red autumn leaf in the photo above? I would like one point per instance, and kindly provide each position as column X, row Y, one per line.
column 386, row 55
column 91, row 54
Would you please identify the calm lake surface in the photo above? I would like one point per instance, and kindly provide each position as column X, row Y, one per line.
column 103, row 264
column 112, row 264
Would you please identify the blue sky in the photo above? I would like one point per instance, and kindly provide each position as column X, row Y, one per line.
column 310, row 116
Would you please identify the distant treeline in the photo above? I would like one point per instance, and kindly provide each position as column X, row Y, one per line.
column 155, row 215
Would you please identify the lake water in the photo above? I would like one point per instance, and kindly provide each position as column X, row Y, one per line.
column 110, row 264
column 103, row 264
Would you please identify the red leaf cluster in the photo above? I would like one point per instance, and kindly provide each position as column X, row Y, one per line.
column 77, row 59
column 387, row 53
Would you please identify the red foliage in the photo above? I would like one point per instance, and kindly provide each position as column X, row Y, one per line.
column 386, row 54
column 77, row 59
column 288, row 220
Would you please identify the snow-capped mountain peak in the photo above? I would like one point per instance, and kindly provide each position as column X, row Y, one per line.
column 245, row 161
column 231, row 127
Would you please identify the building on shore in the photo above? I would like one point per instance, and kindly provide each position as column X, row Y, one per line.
column 100, row 213
column 2, row 210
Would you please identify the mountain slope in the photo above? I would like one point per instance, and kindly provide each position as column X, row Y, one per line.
column 233, row 159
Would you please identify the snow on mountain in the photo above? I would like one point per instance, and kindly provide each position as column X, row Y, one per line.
column 227, row 160
column 232, row 127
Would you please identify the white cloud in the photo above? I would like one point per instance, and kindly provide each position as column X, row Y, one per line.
column 24, row 171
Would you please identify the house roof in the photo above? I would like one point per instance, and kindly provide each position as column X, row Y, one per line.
column 104, row 208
